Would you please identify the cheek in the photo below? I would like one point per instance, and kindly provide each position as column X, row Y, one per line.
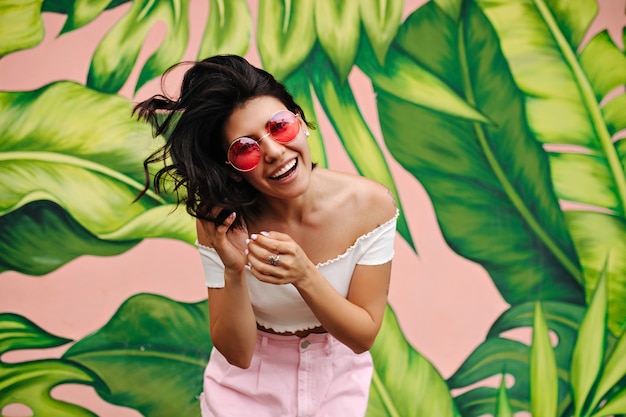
column 254, row 177
column 304, row 149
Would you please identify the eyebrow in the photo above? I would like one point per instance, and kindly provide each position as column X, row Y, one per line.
column 267, row 124
column 267, row 132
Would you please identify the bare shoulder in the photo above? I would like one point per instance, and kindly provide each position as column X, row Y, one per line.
column 369, row 202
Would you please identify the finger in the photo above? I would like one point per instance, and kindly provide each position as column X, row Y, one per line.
column 260, row 267
column 208, row 225
column 228, row 221
column 270, row 279
column 222, row 228
column 259, row 254
column 266, row 241
column 210, row 234
column 264, row 274
column 276, row 236
column 220, row 216
column 265, row 258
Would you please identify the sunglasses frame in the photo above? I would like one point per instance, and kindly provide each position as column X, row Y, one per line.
column 258, row 141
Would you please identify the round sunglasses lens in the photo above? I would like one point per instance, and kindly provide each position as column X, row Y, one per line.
column 244, row 154
column 284, row 127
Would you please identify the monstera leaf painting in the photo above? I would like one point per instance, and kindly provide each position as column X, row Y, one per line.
column 148, row 357
column 499, row 109
column 30, row 383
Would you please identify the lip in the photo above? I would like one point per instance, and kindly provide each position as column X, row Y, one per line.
column 282, row 166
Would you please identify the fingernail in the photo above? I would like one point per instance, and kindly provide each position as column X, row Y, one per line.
column 246, row 251
column 265, row 233
column 247, row 241
column 253, row 236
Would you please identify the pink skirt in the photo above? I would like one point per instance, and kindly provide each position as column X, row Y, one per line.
column 314, row 376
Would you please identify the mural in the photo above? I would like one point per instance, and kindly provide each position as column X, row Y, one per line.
column 511, row 120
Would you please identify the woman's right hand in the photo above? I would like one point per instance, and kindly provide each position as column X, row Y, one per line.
column 229, row 244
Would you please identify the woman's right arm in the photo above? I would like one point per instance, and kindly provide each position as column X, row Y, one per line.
column 232, row 322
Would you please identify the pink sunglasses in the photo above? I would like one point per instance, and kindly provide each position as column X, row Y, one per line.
column 244, row 153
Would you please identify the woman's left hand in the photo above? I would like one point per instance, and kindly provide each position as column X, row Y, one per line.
column 276, row 258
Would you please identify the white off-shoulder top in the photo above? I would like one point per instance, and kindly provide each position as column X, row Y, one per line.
column 280, row 307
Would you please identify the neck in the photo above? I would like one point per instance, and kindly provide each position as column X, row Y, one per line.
column 294, row 209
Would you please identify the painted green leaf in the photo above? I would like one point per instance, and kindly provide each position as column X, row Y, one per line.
column 590, row 348
column 338, row 27
column 41, row 236
column 30, row 383
column 17, row 332
column 381, row 19
column 562, row 318
column 69, row 192
column 82, row 12
column 151, row 355
column 227, row 30
column 607, row 240
column 489, row 183
column 615, row 117
column 614, row 371
column 604, row 65
column 406, row 79
column 404, row 383
column 616, row 405
column 581, row 172
column 58, row 6
column 117, row 53
column 503, row 408
column 493, row 357
column 543, row 370
column 564, row 85
column 285, row 34
column 498, row 354
column 299, row 85
column 21, row 25
column 79, row 12
column 451, row 8
column 341, row 108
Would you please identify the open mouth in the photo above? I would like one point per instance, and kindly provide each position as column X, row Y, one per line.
column 286, row 170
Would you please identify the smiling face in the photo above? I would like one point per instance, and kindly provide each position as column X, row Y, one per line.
column 284, row 169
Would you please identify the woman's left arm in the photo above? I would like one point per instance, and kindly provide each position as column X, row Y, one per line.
column 355, row 320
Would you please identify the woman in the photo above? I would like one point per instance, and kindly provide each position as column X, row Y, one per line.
column 297, row 258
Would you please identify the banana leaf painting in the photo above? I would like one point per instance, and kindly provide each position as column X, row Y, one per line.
column 499, row 126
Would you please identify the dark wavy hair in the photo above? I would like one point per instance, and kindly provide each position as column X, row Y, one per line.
column 194, row 154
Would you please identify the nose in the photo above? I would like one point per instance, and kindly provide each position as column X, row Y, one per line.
column 272, row 150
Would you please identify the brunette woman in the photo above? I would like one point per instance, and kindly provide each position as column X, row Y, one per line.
column 297, row 258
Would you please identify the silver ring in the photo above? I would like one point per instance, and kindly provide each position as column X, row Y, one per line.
column 274, row 260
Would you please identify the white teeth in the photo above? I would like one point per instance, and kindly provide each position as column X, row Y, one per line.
column 285, row 169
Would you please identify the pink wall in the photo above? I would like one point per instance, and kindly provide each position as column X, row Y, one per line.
column 445, row 303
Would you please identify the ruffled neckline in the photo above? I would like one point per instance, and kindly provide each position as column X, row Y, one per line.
column 357, row 241
column 347, row 251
